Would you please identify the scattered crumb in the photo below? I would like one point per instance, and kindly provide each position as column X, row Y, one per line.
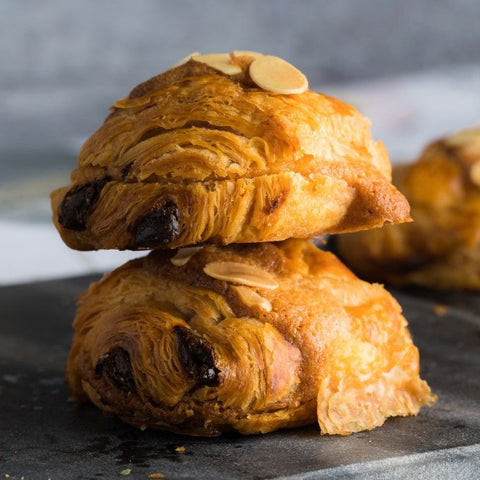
column 322, row 240
column 180, row 449
column 127, row 471
column 439, row 309
column 156, row 475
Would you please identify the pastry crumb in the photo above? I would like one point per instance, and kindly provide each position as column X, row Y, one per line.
column 440, row 310
column 156, row 475
column 126, row 471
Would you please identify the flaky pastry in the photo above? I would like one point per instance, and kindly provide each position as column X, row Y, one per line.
column 441, row 248
column 249, row 338
column 203, row 154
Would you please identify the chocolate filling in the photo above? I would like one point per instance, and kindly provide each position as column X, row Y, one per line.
column 197, row 356
column 159, row 227
column 117, row 367
column 77, row 204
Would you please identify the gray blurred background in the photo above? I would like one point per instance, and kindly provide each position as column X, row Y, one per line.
column 63, row 62
column 413, row 66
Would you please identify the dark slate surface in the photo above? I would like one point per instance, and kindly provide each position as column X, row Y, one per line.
column 42, row 435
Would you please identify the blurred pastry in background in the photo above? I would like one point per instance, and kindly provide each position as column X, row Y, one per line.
column 441, row 247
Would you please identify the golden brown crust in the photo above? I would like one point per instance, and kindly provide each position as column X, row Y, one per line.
column 194, row 129
column 441, row 248
column 162, row 344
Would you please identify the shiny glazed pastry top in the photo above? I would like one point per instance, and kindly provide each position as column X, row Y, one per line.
column 246, row 337
column 441, row 247
column 226, row 148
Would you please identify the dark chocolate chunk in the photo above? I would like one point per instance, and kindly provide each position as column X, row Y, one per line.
column 117, row 367
column 197, row 356
column 159, row 227
column 78, row 203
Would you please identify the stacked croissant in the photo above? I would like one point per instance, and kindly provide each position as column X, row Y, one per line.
column 226, row 167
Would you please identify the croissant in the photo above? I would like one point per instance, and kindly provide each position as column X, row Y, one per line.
column 196, row 155
column 247, row 338
column 441, row 248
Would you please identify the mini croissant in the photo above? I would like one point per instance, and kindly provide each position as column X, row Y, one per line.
column 219, row 150
column 249, row 338
column 441, row 248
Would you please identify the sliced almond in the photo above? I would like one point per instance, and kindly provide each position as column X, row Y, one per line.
column 251, row 298
column 184, row 60
column 219, row 61
column 184, row 255
column 475, row 173
column 121, row 102
column 277, row 75
column 243, row 58
column 247, row 53
column 241, row 273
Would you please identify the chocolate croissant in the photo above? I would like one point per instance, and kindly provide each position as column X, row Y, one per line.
column 219, row 150
column 249, row 338
column 441, row 248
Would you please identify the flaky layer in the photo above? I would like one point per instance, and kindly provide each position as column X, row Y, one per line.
column 192, row 129
column 249, row 338
column 441, row 248
column 246, row 210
